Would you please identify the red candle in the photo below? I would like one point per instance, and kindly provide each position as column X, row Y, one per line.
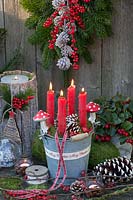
column 50, row 104
column 71, row 98
column 61, row 117
column 82, row 108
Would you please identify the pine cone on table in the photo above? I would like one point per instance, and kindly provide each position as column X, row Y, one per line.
column 116, row 169
column 78, row 186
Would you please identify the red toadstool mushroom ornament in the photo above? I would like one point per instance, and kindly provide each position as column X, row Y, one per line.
column 41, row 117
column 92, row 108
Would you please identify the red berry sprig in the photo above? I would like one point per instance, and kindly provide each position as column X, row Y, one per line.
column 71, row 17
column 130, row 141
column 122, row 132
column 105, row 138
column 18, row 103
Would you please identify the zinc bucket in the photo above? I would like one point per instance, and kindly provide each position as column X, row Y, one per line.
column 75, row 155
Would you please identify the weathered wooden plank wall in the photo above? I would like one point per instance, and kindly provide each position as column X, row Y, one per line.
column 2, row 43
column 117, row 67
column 110, row 72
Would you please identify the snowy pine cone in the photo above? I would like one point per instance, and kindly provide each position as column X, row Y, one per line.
column 116, row 169
column 62, row 39
column 64, row 63
column 77, row 186
column 56, row 3
column 57, row 19
column 66, row 50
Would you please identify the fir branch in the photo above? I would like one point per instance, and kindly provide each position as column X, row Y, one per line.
column 5, row 92
column 47, row 56
column 25, row 94
column 97, row 19
column 16, row 60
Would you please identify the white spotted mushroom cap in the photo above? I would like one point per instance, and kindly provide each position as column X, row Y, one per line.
column 92, row 107
column 40, row 116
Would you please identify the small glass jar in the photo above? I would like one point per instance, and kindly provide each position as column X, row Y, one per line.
column 22, row 164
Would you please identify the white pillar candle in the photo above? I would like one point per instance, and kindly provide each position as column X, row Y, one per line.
column 14, row 79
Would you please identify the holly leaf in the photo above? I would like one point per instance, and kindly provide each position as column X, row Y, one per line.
column 122, row 117
column 99, row 131
column 115, row 119
column 112, row 131
column 127, row 115
column 122, row 140
column 127, row 125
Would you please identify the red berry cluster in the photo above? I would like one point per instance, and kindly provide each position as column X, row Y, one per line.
column 107, row 126
column 53, row 34
column 104, row 138
column 65, row 188
column 18, row 103
column 122, row 132
column 130, row 119
column 49, row 20
column 130, row 141
column 71, row 17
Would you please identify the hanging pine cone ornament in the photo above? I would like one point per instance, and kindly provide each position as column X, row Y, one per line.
column 72, row 124
column 78, row 186
column 66, row 50
column 64, row 63
column 116, row 169
column 62, row 39
column 57, row 3
column 57, row 20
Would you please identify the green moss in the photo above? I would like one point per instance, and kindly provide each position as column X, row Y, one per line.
column 38, row 148
column 10, row 183
column 40, row 186
column 102, row 151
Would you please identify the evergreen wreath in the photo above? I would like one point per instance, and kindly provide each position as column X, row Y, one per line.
column 90, row 19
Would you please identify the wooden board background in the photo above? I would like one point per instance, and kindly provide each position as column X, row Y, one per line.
column 111, row 71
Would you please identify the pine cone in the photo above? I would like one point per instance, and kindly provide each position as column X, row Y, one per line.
column 77, row 186
column 73, row 127
column 64, row 63
column 57, row 19
column 62, row 39
column 116, row 169
column 56, row 3
column 66, row 50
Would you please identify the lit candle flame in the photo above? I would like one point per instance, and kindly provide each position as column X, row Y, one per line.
column 61, row 93
column 50, row 86
column 25, row 160
column 82, row 90
column 15, row 77
column 72, row 82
